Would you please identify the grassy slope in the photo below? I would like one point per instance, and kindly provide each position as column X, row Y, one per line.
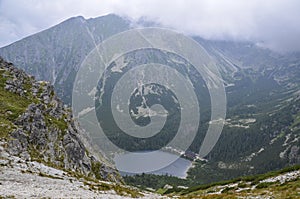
column 275, row 190
column 252, row 185
column 11, row 106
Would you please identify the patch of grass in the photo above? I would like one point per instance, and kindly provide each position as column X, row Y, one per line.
column 59, row 123
column 264, row 185
column 206, row 186
column 227, row 189
column 264, row 190
column 96, row 168
column 119, row 189
column 11, row 106
column 281, row 135
column 5, row 128
column 161, row 191
column 242, row 185
column 296, row 121
column 35, row 154
column 255, row 179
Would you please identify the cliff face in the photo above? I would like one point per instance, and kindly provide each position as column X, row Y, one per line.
column 36, row 126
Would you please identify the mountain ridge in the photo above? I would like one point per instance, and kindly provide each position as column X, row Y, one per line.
column 58, row 52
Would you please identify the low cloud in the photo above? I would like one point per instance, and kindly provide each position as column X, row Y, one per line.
column 272, row 23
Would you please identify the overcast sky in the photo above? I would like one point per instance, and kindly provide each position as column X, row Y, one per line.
column 272, row 23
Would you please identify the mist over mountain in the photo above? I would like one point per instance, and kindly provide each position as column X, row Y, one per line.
column 273, row 24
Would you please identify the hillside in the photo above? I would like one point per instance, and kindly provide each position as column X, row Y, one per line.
column 36, row 126
column 279, row 184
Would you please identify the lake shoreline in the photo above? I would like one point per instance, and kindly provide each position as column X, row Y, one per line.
column 178, row 168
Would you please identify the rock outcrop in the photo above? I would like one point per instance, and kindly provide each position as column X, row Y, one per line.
column 45, row 131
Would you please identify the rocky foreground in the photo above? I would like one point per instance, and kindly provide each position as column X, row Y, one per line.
column 29, row 179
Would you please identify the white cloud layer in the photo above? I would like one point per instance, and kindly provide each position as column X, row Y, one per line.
column 275, row 23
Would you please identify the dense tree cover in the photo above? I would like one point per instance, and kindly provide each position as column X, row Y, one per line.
column 237, row 143
column 155, row 181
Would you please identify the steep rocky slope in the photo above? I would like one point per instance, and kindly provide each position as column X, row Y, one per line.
column 36, row 126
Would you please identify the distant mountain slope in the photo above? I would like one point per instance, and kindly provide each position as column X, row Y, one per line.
column 55, row 54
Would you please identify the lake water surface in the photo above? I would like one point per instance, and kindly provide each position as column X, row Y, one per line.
column 158, row 162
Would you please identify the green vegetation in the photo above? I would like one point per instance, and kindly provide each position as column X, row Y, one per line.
column 35, row 154
column 96, row 168
column 236, row 143
column 269, row 190
column 242, row 185
column 119, row 189
column 11, row 106
column 254, row 179
column 144, row 181
column 59, row 123
column 227, row 189
column 256, row 96
column 263, row 185
column 243, row 182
